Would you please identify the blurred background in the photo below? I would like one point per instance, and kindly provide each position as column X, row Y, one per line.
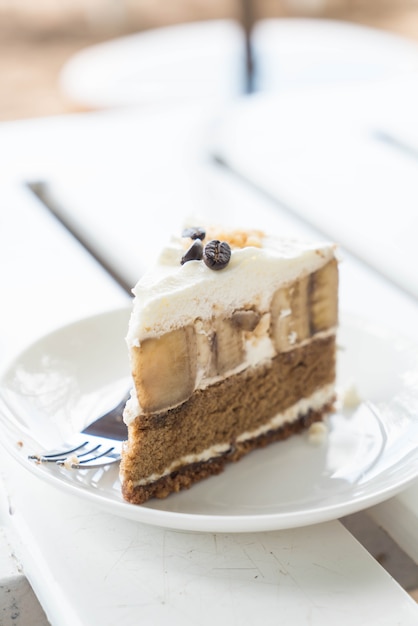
column 38, row 38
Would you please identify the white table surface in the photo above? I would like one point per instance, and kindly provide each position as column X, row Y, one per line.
column 88, row 567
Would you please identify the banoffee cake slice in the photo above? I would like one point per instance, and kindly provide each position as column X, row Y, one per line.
column 232, row 344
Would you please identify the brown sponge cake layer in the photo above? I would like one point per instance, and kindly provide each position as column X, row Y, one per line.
column 219, row 414
column 186, row 476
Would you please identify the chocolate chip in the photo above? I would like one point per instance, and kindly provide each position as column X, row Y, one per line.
column 216, row 254
column 194, row 253
column 194, row 232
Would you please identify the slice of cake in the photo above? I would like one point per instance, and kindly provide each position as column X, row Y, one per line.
column 232, row 346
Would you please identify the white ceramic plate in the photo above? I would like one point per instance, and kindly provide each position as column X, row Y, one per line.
column 371, row 452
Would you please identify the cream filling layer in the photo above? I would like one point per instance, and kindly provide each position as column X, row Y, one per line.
column 315, row 402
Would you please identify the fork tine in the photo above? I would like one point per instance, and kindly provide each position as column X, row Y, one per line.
column 110, row 454
column 98, row 456
column 56, row 456
column 63, row 456
column 90, row 451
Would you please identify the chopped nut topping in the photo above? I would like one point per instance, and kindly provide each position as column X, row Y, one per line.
column 238, row 238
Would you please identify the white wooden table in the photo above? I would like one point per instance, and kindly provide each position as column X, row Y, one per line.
column 91, row 568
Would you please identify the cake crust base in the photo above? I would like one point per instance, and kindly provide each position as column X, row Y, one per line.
column 186, row 476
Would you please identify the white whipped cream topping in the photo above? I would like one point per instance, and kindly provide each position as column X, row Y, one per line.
column 171, row 294
column 318, row 399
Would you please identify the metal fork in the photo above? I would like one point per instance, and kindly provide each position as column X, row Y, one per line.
column 102, row 447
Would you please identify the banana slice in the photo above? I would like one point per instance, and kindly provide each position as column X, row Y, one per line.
column 164, row 369
column 227, row 345
column 299, row 320
column 204, row 340
column 280, row 318
column 323, row 297
column 289, row 315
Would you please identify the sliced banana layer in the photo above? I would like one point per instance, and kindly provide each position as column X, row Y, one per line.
column 323, row 302
column 164, row 369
